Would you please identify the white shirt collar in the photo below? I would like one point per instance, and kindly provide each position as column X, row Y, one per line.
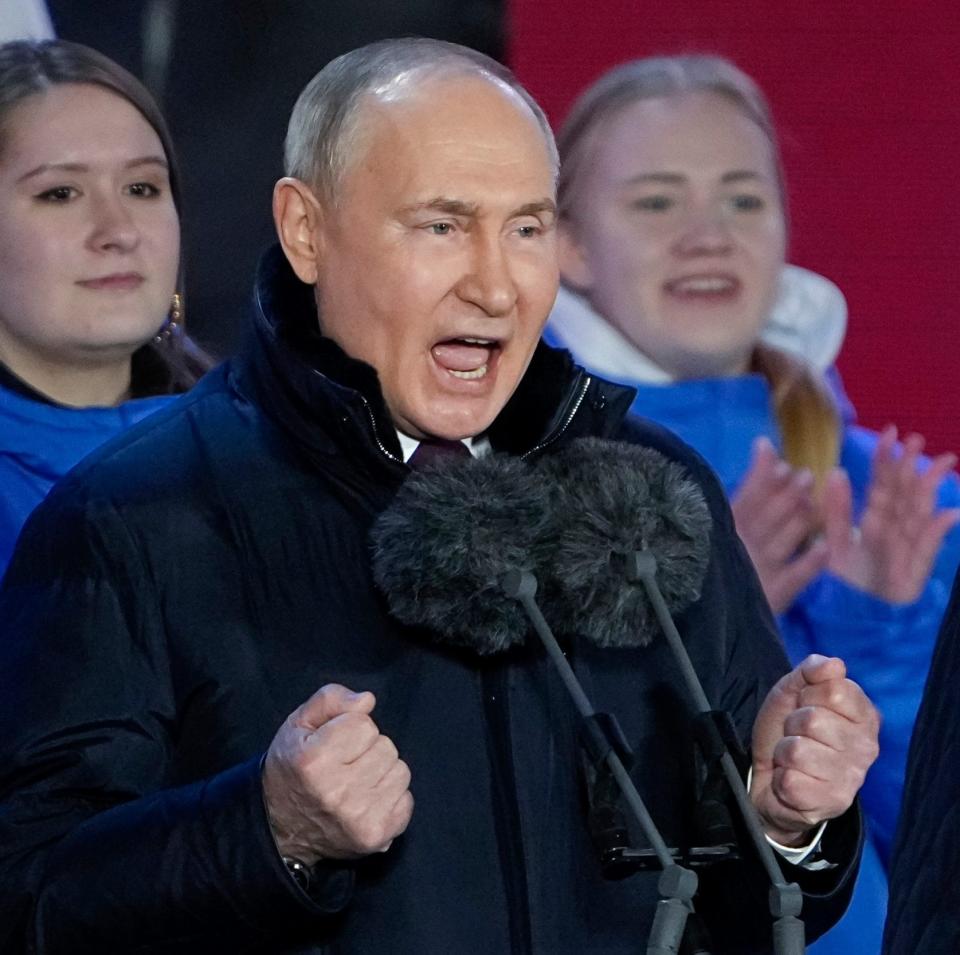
column 479, row 446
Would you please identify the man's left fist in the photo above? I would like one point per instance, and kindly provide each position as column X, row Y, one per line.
column 814, row 740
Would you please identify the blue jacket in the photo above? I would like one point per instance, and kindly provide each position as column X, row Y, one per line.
column 40, row 442
column 887, row 648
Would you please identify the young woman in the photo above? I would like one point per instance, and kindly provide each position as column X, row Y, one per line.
column 673, row 237
column 91, row 319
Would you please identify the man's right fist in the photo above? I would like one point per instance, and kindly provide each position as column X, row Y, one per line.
column 334, row 787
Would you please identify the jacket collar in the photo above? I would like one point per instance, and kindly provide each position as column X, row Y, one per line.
column 330, row 401
column 808, row 319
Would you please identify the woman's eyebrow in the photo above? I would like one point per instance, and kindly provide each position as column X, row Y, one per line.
column 667, row 178
column 84, row 167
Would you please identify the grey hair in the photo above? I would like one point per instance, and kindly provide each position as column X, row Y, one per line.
column 653, row 78
column 325, row 117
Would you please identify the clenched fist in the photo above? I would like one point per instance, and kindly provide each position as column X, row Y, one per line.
column 333, row 785
column 814, row 739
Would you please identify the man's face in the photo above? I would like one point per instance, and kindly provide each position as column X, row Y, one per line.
column 437, row 265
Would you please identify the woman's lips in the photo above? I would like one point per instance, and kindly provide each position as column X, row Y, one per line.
column 708, row 287
column 468, row 359
column 118, row 282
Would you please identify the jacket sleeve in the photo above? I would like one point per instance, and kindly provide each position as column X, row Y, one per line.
column 924, row 883
column 101, row 847
column 748, row 657
column 887, row 649
column 754, row 660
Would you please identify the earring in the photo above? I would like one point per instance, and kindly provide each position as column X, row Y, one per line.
column 173, row 326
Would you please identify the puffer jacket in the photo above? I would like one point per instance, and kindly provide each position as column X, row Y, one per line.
column 190, row 585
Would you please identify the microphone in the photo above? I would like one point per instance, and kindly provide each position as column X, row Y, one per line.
column 448, row 537
column 453, row 543
column 631, row 547
column 611, row 501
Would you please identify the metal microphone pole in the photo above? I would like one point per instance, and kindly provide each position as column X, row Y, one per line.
column 677, row 885
column 785, row 899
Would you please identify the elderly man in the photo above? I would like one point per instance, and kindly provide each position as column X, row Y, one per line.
column 206, row 579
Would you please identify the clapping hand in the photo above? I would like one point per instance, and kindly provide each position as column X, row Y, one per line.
column 776, row 517
column 892, row 551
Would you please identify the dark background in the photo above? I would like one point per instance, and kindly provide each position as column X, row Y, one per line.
column 232, row 73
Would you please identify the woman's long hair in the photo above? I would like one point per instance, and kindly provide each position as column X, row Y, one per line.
column 171, row 362
column 803, row 403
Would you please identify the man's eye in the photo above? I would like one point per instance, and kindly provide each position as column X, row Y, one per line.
column 528, row 231
column 747, row 203
column 146, row 190
column 653, row 203
column 441, row 228
column 57, row 194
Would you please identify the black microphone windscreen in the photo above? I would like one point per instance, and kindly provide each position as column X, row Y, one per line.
column 450, row 534
column 613, row 499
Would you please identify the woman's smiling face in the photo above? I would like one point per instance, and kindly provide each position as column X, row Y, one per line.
column 677, row 233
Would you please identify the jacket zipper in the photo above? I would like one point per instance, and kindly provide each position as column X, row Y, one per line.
column 373, row 429
column 558, row 432
column 511, row 839
column 550, row 439
column 495, row 693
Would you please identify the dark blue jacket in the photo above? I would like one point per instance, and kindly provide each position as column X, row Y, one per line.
column 924, row 912
column 179, row 594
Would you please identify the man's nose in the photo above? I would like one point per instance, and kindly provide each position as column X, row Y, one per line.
column 488, row 281
column 113, row 227
column 705, row 232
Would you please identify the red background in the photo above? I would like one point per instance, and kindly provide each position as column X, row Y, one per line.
column 867, row 102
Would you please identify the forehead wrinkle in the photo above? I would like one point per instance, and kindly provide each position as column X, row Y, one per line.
column 460, row 207
column 457, row 207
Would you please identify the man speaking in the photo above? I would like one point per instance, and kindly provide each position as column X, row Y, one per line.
column 215, row 738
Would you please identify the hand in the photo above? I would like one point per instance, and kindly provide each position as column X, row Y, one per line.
column 814, row 740
column 775, row 517
column 333, row 785
column 892, row 552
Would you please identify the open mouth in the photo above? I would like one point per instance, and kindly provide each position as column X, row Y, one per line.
column 468, row 359
column 712, row 286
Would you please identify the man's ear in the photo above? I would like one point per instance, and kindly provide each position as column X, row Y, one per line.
column 298, row 216
column 573, row 263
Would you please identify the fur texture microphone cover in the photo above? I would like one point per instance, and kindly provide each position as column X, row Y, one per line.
column 610, row 499
column 450, row 534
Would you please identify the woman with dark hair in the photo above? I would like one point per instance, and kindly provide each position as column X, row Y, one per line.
column 673, row 238
column 91, row 316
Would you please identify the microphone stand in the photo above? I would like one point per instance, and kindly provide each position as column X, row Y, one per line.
column 785, row 899
column 677, row 885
